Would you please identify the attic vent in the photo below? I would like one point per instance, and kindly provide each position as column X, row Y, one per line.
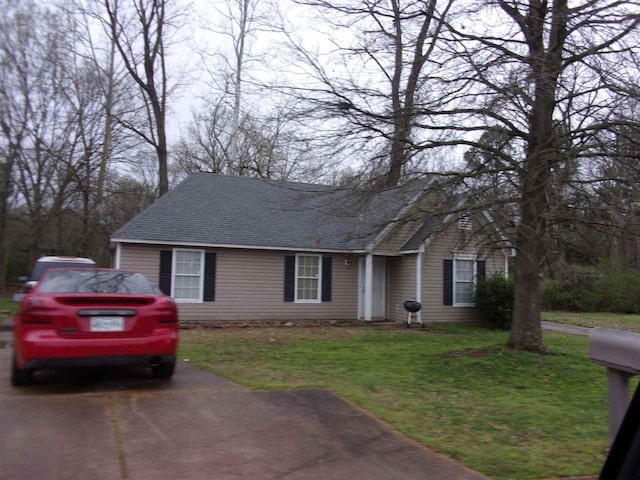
column 464, row 222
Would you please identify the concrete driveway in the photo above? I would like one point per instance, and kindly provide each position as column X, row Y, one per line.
column 124, row 425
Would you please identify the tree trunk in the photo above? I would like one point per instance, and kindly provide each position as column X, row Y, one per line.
column 236, row 166
column 535, row 178
column 397, row 160
column 403, row 105
column 526, row 330
column 5, row 191
column 398, row 140
column 150, row 15
column 105, row 154
column 157, row 101
column 161, row 150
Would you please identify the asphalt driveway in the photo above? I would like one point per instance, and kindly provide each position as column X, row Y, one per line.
column 124, row 425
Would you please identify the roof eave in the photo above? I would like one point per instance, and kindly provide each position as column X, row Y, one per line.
column 243, row 247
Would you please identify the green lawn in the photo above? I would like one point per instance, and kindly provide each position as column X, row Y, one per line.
column 510, row 415
column 7, row 307
column 598, row 319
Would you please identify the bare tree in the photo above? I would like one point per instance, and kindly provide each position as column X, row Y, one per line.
column 379, row 93
column 552, row 76
column 17, row 39
column 34, row 117
column 240, row 17
column 205, row 145
column 52, row 110
column 95, row 47
column 265, row 147
column 230, row 61
column 125, row 197
column 138, row 31
column 609, row 206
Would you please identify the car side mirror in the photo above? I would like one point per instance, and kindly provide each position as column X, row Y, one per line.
column 18, row 297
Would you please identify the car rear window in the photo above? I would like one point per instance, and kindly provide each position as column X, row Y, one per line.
column 85, row 280
column 40, row 267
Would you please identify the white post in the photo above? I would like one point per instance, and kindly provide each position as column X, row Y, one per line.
column 368, row 287
column 419, row 284
column 506, row 266
column 116, row 260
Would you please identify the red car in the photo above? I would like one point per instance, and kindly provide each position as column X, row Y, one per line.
column 87, row 317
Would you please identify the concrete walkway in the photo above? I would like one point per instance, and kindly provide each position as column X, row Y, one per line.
column 559, row 327
column 122, row 424
column 6, row 324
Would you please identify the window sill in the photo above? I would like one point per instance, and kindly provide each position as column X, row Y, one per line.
column 307, row 301
column 180, row 301
column 464, row 305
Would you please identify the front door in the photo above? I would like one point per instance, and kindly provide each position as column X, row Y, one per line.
column 379, row 305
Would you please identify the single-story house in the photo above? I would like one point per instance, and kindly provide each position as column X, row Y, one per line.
column 240, row 249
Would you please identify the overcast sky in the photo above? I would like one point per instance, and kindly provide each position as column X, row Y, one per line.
column 201, row 46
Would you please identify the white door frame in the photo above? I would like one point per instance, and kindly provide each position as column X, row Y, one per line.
column 361, row 288
column 366, row 267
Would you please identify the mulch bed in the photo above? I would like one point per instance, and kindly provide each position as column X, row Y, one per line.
column 205, row 325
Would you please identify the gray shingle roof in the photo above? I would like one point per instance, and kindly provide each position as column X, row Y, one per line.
column 430, row 226
column 433, row 223
column 225, row 210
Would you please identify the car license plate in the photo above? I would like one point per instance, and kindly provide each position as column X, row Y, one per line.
column 107, row 324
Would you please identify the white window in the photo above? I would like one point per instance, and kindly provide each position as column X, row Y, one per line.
column 464, row 280
column 188, row 275
column 308, row 275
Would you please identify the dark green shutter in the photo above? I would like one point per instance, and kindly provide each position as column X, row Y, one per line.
column 326, row 279
column 447, row 282
column 164, row 282
column 289, row 277
column 209, row 294
column 481, row 269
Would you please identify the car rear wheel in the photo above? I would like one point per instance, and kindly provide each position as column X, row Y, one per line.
column 164, row 370
column 19, row 376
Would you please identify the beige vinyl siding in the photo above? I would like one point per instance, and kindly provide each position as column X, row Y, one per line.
column 402, row 285
column 444, row 246
column 250, row 286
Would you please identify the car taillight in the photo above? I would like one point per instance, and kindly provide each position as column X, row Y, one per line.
column 167, row 312
column 35, row 312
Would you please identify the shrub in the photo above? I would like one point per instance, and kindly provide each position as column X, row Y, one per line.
column 609, row 286
column 618, row 286
column 494, row 299
column 556, row 295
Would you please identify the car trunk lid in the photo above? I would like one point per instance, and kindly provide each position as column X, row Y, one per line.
column 98, row 316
